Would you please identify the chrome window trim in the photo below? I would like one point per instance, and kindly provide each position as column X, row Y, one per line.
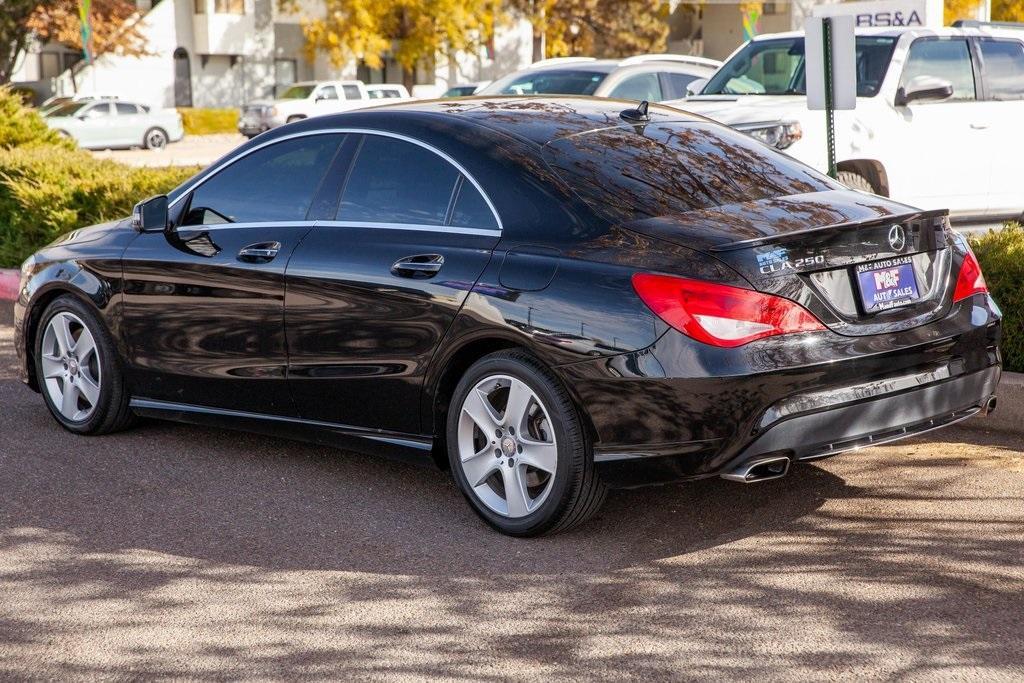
column 424, row 227
column 355, row 131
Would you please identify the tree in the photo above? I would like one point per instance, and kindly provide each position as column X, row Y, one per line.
column 412, row 31
column 114, row 28
column 601, row 28
column 1008, row 10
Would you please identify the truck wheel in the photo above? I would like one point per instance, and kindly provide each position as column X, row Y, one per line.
column 856, row 181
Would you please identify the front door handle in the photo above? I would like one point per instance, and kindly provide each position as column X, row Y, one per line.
column 262, row 252
column 979, row 126
column 419, row 266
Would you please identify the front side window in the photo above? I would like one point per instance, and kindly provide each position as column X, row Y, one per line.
column 776, row 67
column 949, row 60
column 125, row 109
column 547, row 82
column 675, row 84
column 1004, row 68
column 328, row 92
column 98, row 111
column 629, row 173
column 639, row 87
column 394, row 181
column 276, row 183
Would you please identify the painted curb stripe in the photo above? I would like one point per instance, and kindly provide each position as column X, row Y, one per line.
column 9, row 281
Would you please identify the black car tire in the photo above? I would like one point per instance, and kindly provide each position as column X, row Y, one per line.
column 577, row 492
column 111, row 412
column 155, row 138
column 855, row 181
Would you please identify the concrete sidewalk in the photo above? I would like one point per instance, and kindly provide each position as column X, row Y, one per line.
column 193, row 150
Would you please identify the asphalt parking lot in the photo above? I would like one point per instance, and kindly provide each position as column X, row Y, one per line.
column 180, row 552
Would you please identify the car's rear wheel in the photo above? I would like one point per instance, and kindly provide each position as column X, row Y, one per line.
column 77, row 370
column 155, row 138
column 517, row 448
column 856, row 181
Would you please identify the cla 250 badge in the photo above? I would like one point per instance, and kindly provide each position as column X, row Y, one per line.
column 777, row 260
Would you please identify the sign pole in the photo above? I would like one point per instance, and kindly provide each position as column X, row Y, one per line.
column 830, row 118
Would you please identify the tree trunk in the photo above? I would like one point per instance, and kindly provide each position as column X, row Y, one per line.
column 9, row 58
column 408, row 79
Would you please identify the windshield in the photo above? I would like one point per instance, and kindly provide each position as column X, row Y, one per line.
column 67, row 109
column 297, row 92
column 776, row 67
column 547, row 82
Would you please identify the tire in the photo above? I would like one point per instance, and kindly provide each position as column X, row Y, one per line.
column 856, row 181
column 293, row 119
column 563, row 491
column 109, row 412
column 155, row 138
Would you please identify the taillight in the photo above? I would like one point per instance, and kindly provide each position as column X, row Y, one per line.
column 721, row 315
column 970, row 281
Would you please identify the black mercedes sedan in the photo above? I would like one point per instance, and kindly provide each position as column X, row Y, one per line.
column 548, row 296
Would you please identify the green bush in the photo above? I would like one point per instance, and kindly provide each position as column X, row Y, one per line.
column 209, row 121
column 1001, row 254
column 21, row 126
column 47, row 190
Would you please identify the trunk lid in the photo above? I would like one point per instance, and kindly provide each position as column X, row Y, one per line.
column 862, row 264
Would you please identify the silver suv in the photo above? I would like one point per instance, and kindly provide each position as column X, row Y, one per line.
column 645, row 77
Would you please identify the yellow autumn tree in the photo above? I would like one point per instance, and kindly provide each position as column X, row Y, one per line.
column 412, row 31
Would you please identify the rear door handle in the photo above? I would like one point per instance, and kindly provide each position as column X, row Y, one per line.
column 979, row 126
column 262, row 252
column 419, row 266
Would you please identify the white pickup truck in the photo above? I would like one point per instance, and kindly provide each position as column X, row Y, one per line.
column 938, row 118
column 302, row 101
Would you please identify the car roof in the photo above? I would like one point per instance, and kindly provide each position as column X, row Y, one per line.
column 537, row 119
column 896, row 31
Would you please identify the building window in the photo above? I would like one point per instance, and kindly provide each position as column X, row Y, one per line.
column 200, row 6
column 285, row 71
column 49, row 65
column 229, row 6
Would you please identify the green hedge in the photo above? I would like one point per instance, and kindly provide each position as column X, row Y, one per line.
column 21, row 126
column 1001, row 254
column 209, row 121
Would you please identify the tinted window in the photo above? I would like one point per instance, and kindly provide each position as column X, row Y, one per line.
column 98, row 110
column 776, row 67
column 125, row 109
column 675, row 84
column 276, row 183
column 470, row 210
column 547, row 82
column 639, row 87
column 949, row 60
column 328, row 92
column 1004, row 68
column 628, row 173
column 352, row 92
column 393, row 181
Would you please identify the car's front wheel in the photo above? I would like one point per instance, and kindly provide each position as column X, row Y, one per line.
column 77, row 370
column 517, row 448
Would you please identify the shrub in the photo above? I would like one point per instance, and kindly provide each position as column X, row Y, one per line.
column 21, row 126
column 47, row 190
column 1001, row 254
column 209, row 121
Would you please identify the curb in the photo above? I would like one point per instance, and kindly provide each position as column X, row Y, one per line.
column 1008, row 416
column 10, row 281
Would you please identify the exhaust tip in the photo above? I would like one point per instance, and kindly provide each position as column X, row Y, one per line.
column 764, row 469
column 990, row 405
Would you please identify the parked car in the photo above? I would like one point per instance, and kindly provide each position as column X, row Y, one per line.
column 546, row 299
column 919, row 91
column 106, row 124
column 302, row 101
column 465, row 89
column 645, row 77
column 387, row 91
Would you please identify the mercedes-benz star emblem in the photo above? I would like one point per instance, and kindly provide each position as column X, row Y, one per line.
column 897, row 238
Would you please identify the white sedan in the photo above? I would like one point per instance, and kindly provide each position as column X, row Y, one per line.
column 106, row 124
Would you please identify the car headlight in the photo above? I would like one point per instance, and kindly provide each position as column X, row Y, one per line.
column 778, row 135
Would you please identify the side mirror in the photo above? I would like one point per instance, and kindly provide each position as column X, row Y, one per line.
column 694, row 87
column 924, row 88
column 319, row 98
column 151, row 215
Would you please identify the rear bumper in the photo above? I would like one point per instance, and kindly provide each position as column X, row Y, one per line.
column 681, row 410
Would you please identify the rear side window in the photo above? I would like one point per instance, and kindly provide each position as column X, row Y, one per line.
column 630, row 173
column 126, row 109
column 675, row 84
column 351, row 92
column 470, row 210
column 276, row 183
column 1004, row 68
column 949, row 60
column 639, row 87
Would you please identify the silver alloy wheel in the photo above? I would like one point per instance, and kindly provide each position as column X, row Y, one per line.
column 71, row 366
column 155, row 139
column 507, row 446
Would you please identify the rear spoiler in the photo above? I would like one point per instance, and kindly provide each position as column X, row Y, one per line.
column 827, row 230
